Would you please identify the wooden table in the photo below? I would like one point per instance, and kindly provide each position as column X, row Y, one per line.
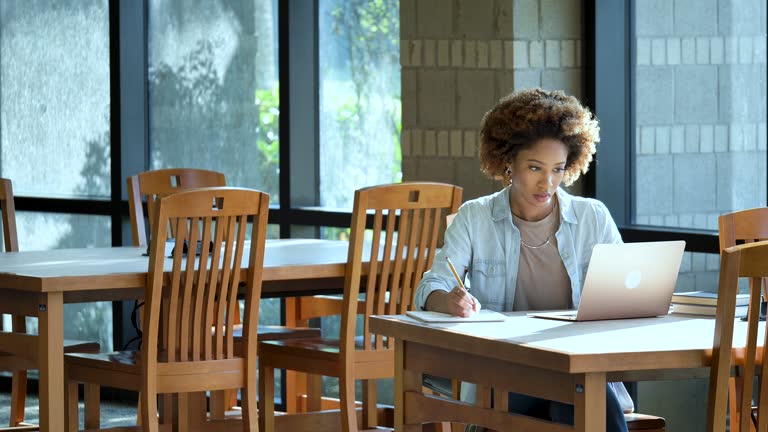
column 555, row 360
column 38, row 283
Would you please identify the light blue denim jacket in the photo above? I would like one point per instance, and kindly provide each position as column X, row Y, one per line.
column 484, row 245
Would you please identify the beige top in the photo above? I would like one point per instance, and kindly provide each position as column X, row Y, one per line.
column 542, row 281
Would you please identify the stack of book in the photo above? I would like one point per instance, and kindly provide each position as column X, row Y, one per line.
column 705, row 303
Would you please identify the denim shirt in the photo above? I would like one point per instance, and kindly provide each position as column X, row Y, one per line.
column 484, row 245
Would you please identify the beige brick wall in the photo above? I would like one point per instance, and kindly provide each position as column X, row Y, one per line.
column 459, row 57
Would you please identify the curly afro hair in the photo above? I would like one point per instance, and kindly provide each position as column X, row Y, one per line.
column 522, row 118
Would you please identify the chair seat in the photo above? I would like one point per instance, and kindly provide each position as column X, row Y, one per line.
column 123, row 361
column 637, row 421
column 321, row 345
column 72, row 346
column 78, row 346
column 268, row 333
column 313, row 343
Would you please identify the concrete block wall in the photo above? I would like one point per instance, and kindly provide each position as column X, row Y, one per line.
column 459, row 57
column 700, row 126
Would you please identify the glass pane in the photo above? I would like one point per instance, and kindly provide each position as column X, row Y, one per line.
column 700, row 110
column 42, row 231
column 213, row 89
column 54, row 97
column 359, row 97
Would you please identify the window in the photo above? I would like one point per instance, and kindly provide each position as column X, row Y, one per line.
column 700, row 111
column 54, row 130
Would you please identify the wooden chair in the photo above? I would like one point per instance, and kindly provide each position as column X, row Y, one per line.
column 19, row 364
column 398, row 258
column 188, row 331
column 155, row 184
column 744, row 226
column 746, row 260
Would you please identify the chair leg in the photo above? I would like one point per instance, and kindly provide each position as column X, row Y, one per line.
column 148, row 409
column 230, row 398
column 347, row 396
column 138, row 411
column 92, row 403
column 314, row 392
column 182, row 411
column 735, row 388
column 166, row 409
column 217, row 404
column 18, row 397
column 370, row 420
column 267, row 398
column 249, row 404
column 72, row 422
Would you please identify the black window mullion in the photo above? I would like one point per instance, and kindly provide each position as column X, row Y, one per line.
column 114, row 120
column 284, row 65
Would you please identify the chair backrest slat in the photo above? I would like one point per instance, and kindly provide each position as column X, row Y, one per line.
column 210, row 290
column 203, row 287
column 411, row 254
column 234, row 282
column 401, row 245
column 173, row 290
column 187, row 301
column 223, row 282
column 429, row 228
column 747, row 260
column 387, row 273
column 200, row 297
column 379, row 296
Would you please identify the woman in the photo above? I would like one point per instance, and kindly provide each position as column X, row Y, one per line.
column 528, row 246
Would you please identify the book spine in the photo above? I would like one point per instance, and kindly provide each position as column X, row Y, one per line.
column 694, row 300
column 702, row 301
column 704, row 310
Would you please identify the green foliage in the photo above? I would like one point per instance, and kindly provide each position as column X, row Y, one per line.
column 372, row 28
column 267, row 102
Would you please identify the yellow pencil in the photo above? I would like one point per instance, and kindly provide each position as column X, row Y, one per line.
column 461, row 284
column 456, row 275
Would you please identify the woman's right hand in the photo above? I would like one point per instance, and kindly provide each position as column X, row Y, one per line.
column 457, row 302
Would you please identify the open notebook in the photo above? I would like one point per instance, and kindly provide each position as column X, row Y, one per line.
column 485, row 315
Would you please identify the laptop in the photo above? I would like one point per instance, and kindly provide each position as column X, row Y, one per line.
column 626, row 280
